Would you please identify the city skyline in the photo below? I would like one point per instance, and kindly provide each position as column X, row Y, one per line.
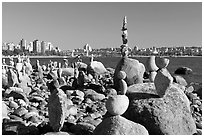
column 71, row 25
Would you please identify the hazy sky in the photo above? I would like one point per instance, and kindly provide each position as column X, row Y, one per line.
column 72, row 25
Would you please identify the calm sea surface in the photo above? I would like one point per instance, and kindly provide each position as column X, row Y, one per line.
column 195, row 63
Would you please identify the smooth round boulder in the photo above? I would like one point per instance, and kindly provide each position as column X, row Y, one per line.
column 117, row 105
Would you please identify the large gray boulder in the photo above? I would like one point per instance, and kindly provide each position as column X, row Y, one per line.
column 168, row 115
column 133, row 68
column 118, row 125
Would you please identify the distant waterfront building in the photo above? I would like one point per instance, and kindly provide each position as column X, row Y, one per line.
column 23, row 45
column 49, row 46
column 30, row 47
column 43, row 47
column 11, row 46
column 4, row 46
column 36, row 46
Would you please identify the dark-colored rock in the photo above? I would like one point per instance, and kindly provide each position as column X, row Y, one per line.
column 118, row 125
column 183, row 71
column 93, row 95
column 82, row 128
column 17, row 128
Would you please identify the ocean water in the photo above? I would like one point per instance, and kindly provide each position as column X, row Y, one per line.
column 195, row 63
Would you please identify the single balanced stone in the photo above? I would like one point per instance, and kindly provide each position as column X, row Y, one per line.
column 163, row 80
column 162, row 62
column 56, row 106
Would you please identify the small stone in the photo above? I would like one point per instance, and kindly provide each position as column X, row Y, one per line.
column 199, row 125
column 57, row 133
column 152, row 76
column 20, row 111
column 189, row 89
column 117, row 105
column 110, row 92
column 72, row 110
column 123, row 87
column 78, row 93
column 121, row 75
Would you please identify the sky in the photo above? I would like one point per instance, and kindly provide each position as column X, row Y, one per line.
column 70, row 25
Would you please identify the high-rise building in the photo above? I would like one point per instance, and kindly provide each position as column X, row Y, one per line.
column 50, row 46
column 11, row 46
column 43, row 47
column 36, row 46
column 30, row 47
column 23, row 45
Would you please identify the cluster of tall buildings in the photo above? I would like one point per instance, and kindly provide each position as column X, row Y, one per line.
column 35, row 46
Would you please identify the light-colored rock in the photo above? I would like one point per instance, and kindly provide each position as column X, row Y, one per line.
column 162, row 81
column 96, row 67
column 4, row 110
column 123, row 87
column 180, row 80
column 67, row 72
column 151, row 64
column 121, row 75
column 133, row 69
column 118, row 125
column 57, row 133
column 168, row 115
column 152, row 76
column 117, row 105
column 93, row 95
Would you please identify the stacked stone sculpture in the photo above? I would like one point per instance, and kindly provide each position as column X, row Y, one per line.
column 116, row 105
column 163, row 79
column 124, row 46
column 132, row 67
column 152, row 68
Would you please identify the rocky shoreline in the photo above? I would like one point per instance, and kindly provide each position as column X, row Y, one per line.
column 55, row 100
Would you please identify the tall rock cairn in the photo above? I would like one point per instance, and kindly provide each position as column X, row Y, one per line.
column 124, row 46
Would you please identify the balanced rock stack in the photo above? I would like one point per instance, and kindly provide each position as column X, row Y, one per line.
column 163, row 79
column 116, row 105
column 152, row 68
column 132, row 67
